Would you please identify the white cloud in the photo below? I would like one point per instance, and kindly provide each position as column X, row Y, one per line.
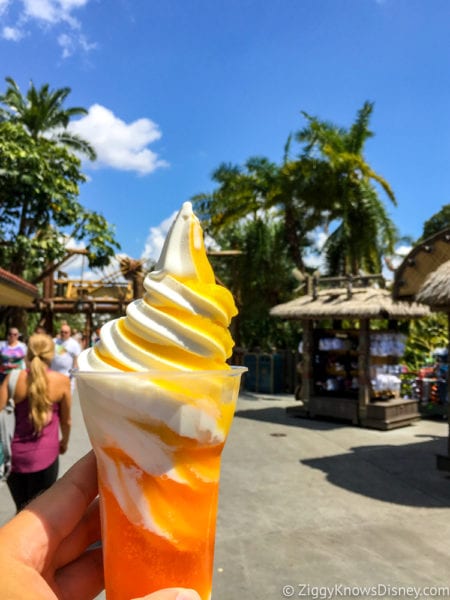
column 67, row 44
column 3, row 6
column 49, row 14
column 118, row 144
column 76, row 266
column 393, row 262
column 53, row 11
column 314, row 261
column 314, row 258
column 70, row 43
column 12, row 34
column 320, row 239
column 156, row 237
column 403, row 250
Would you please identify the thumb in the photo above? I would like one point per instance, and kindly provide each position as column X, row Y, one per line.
column 172, row 594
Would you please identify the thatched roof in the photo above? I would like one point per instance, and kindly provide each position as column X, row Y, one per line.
column 358, row 303
column 435, row 291
column 423, row 259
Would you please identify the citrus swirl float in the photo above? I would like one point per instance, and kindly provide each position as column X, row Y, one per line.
column 158, row 399
column 182, row 321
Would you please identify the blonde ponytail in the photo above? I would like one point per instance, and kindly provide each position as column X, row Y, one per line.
column 40, row 353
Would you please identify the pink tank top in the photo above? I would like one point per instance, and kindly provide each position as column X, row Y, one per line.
column 30, row 452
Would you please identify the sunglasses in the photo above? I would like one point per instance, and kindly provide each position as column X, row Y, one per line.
column 12, row 333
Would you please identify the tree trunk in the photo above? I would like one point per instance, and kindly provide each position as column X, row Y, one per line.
column 293, row 240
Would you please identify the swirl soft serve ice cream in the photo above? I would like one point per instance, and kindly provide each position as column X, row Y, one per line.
column 158, row 399
column 182, row 321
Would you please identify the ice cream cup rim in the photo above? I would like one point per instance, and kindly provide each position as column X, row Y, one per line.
column 234, row 371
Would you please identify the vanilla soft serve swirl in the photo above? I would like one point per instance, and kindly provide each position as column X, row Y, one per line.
column 182, row 320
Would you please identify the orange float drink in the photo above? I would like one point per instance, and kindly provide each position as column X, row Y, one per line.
column 158, row 398
column 158, row 439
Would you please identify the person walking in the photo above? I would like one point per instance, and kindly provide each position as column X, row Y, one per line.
column 12, row 353
column 67, row 350
column 42, row 407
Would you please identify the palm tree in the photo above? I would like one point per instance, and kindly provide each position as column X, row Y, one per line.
column 364, row 231
column 42, row 114
column 241, row 193
column 263, row 189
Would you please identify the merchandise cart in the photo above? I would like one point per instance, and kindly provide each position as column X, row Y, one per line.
column 345, row 373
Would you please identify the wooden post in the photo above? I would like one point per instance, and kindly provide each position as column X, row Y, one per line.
column 47, row 318
column 307, row 374
column 89, row 327
column 364, row 368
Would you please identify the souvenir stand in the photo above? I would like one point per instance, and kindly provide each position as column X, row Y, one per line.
column 424, row 275
column 351, row 373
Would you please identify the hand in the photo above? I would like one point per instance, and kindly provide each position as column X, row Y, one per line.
column 63, row 446
column 45, row 548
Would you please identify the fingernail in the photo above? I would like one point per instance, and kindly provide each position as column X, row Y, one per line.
column 188, row 595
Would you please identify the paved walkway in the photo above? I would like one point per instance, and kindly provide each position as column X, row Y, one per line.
column 311, row 504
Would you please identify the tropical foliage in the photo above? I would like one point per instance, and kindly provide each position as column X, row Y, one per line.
column 253, row 190
column 259, row 277
column 425, row 335
column 329, row 185
column 362, row 230
column 40, row 174
column 42, row 114
column 39, row 184
column 438, row 222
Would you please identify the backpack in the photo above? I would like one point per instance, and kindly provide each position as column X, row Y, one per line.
column 7, row 427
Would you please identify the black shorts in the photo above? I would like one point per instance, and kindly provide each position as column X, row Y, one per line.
column 26, row 486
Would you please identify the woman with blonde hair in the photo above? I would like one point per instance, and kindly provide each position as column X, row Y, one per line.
column 42, row 406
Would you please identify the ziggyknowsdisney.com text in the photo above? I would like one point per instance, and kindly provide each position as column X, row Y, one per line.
column 380, row 590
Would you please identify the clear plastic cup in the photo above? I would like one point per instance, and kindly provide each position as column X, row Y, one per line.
column 158, row 438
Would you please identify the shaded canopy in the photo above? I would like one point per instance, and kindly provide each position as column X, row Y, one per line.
column 423, row 259
column 359, row 303
column 15, row 291
column 435, row 291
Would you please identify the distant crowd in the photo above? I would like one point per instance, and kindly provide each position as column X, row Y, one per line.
column 68, row 345
column 36, row 385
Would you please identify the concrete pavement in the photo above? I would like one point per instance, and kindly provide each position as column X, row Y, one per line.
column 318, row 509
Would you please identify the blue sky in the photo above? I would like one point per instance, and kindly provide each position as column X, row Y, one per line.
column 175, row 87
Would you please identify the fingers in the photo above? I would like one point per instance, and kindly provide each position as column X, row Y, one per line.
column 64, row 504
column 82, row 578
column 52, row 516
column 86, row 532
column 172, row 594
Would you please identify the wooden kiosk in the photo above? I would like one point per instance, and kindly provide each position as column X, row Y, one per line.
column 338, row 364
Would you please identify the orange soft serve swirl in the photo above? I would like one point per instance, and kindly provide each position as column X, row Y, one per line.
column 181, row 322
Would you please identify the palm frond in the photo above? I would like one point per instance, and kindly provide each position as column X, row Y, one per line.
column 76, row 143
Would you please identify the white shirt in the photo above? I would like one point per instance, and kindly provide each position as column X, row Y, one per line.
column 66, row 352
